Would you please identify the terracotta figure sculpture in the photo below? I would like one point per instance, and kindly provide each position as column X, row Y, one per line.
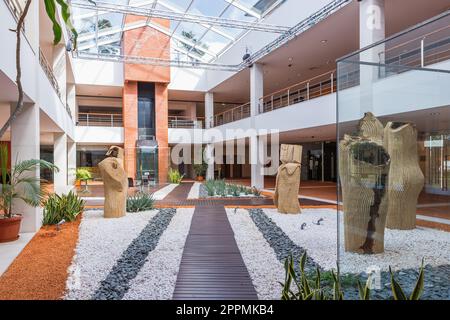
column 115, row 183
column 364, row 166
column 288, row 179
column 406, row 179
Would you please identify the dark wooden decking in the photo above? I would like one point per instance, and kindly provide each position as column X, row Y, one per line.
column 211, row 266
column 180, row 192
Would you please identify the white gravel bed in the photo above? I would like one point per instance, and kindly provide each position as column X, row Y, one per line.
column 100, row 243
column 259, row 258
column 157, row 278
column 194, row 193
column 162, row 193
column 403, row 248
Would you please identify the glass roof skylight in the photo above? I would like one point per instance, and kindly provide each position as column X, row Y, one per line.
column 101, row 32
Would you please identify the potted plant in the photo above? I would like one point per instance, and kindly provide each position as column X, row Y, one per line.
column 83, row 174
column 200, row 170
column 18, row 184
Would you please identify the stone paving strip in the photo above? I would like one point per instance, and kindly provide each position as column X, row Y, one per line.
column 164, row 192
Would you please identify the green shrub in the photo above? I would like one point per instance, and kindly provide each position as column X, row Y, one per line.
column 175, row 176
column 83, row 174
column 64, row 207
column 140, row 202
column 210, row 187
column 256, row 192
column 200, row 169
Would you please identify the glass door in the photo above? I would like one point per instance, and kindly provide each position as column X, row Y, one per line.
column 147, row 165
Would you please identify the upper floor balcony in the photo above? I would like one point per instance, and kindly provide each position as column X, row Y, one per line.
column 99, row 119
column 315, row 87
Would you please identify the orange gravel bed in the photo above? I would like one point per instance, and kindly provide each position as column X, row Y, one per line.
column 40, row 270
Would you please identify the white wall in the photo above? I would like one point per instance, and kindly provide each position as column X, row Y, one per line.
column 100, row 73
column 99, row 135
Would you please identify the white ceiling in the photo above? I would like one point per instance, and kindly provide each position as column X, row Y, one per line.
column 308, row 52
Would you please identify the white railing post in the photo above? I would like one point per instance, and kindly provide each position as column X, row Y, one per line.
column 289, row 97
column 112, row 120
column 422, row 52
column 307, row 91
column 271, row 109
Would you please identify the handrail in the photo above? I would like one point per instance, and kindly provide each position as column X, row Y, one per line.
column 15, row 7
column 234, row 114
column 186, row 122
column 302, row 91
column 298, row 84
column 52, row 79
column 100, row 119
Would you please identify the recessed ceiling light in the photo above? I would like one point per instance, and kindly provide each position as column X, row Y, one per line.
column 324, row 41
column 290, row 59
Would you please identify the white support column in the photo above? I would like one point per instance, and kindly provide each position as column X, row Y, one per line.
column 371, row 30
column 60, row 160
column 209, row 154
column 256, row 87
column 71, row 163
column 256, row 143
column 25, row 145
column 209, row 110
column 257, row 152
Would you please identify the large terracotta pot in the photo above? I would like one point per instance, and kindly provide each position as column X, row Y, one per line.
column 9, row 228
column 200, row 178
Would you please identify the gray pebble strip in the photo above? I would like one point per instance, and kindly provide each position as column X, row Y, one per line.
column 117, row 283
column 203, row 193
column 279, row 241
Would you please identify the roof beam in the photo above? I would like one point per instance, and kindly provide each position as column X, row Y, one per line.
column 177, row 16
column 240, row 6
column 154, row 61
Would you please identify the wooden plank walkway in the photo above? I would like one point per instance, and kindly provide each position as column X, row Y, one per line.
column 211, row 266
column 180, row 192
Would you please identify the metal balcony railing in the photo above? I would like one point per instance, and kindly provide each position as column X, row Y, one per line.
column 100, row 120
column 306, row 90
column 186, row 122
column 16, row 7
column 237, row 113
column 52, row 79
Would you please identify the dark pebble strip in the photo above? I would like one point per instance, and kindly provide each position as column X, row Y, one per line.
column 117, row 283
column 282, row 245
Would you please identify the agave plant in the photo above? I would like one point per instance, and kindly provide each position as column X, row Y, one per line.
column 399, row 294
column 64, row 207
column 21, row 183
column 140, row 202
column 307, row 288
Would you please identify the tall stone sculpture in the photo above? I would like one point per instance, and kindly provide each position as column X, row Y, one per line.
column 406, row 179
column 288, row 179
column 363, row 166
column 115, row 183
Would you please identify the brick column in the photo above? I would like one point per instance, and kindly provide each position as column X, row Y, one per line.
column 162, row 129
column 130, row 124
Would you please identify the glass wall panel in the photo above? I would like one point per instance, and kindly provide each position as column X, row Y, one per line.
column 393, row 161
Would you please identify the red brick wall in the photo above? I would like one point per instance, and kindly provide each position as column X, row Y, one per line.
column 146, row 42
column 130, row 124
column 162, row 130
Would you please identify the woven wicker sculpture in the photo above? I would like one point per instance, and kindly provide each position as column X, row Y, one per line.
column 406, row 180
column 288, row 179
column 115, row 183
column 364, row 166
